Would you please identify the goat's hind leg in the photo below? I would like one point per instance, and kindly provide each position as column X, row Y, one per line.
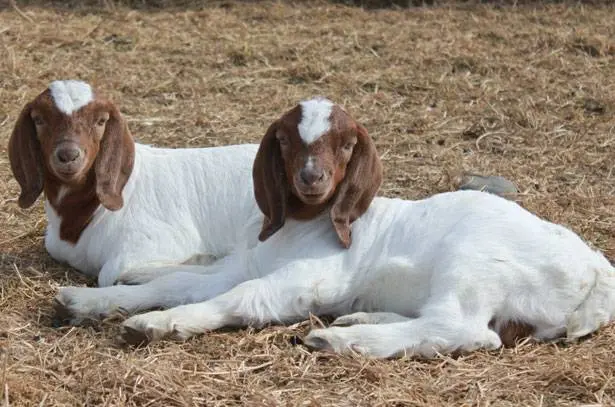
column 424, row 336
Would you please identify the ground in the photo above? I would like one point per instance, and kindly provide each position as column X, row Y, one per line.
column 525, row 90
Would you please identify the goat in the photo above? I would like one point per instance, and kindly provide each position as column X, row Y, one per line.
column 113, row 205
column 457, row 271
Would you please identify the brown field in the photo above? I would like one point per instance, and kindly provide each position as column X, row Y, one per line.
column 525, row 91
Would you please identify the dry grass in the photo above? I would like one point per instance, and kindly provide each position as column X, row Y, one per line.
column 527, row 92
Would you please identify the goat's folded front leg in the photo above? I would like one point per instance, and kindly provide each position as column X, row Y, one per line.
column 180, row 284
column 287, row 295
column 78, row 304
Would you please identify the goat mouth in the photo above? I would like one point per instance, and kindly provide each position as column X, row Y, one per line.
column 68, row 174
column 313, row 197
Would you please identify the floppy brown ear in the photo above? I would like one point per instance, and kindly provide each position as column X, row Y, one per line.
column 270, row 187
column 358, row 188
column 114, row 161
column 26, row 158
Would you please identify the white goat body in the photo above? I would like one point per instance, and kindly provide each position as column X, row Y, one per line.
column 178, row 203
column 436, row 275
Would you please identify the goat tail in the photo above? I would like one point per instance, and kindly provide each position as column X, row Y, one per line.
column 598, row 306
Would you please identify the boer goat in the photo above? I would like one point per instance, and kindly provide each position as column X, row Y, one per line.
column 114, row 206
column 455, row 272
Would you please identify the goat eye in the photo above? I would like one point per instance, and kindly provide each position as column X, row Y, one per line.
column 348, row 146
column 283, row 141
column 38, row 121
column 101, row 121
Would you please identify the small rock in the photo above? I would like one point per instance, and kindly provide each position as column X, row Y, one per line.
column 487, row 183
column 593, row 106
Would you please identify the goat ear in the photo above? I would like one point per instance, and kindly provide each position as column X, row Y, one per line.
column 359, row 186
column 26, row 158
column 114, row 161
column 270, row 187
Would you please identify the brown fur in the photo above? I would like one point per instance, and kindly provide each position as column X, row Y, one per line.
column 108, row 158
column 354, row 175
column 24, row 155
column 512, row 331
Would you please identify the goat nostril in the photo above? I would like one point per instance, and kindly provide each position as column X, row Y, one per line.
column 67, row 155
column 304, row 176
column 310, row 177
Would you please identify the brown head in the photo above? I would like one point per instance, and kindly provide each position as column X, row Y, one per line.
column 76, row 147
column 315, row 157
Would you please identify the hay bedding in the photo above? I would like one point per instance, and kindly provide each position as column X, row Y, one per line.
column 523, row 91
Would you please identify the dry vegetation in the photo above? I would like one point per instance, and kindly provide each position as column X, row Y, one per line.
column 527, row 92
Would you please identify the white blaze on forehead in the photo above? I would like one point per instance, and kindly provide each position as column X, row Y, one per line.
column 315, row 119
column 70, row 96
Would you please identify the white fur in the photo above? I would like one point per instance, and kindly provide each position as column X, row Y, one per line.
column 62, row 192
column 70, row 95
column 427, row 276
column 315, row 119
column 178, row 203
column 309, row 164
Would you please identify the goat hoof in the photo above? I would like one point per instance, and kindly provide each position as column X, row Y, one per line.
column 146, row 328
column 134, row 337
column 74, row 306
column 317, row 340
column 62, row 315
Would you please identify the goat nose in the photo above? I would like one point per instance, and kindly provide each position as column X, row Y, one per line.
column 68, row 154
column 311, row 176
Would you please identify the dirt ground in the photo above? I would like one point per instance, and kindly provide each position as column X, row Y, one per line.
column 526, row 91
